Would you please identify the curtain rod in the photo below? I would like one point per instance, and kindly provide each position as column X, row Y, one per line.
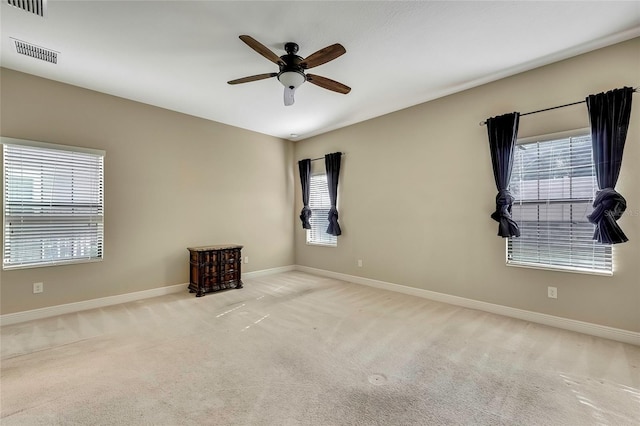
column 482, row 123
column 322, row 158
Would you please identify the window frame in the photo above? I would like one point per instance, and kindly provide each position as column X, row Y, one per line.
column 332, row 239
column 48, row 262
column 550, row 267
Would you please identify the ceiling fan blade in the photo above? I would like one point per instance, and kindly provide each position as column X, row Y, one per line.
column 253, row 78
column 323, row 56
column 261, row 49
column 327, row 83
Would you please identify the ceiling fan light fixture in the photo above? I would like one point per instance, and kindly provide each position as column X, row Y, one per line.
column 291, row 79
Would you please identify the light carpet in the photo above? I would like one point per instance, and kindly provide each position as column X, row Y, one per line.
column 297, row 349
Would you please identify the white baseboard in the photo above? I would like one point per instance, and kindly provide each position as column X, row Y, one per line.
column 102, row 302
column 265, row 272
column 616, row 334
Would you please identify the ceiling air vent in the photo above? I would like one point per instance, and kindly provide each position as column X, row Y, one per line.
column 37, row 52
column 32, row 6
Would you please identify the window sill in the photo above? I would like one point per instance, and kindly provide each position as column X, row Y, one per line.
column 558, row 268
column 49, row 264
column 321, row 244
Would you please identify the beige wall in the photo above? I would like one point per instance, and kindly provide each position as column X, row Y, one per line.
column 416, row 191
column 171, row 181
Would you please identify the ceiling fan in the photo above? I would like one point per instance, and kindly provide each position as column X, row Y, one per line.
column 292, row 67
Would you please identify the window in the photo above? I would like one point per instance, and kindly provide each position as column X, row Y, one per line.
column 53, row 204
column 554, row 183
column 320, row 204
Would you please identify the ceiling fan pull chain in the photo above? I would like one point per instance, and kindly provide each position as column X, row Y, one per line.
column 288, row 96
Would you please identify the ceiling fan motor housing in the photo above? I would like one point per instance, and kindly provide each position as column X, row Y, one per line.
column 290, row 65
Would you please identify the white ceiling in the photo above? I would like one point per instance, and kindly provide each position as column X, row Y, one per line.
column 179, row 55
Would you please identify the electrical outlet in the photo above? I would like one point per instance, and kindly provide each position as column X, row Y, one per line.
column 359, row 263
column 246, row 259
column 38, row 287
column 552, row 292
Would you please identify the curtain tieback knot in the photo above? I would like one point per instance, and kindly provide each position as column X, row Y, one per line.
column 504, row 200
column 507, row 226
column 333, row 214
column 334, row 227
column 608, row 203
column 305, row 216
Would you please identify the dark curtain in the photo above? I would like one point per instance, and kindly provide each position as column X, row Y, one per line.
column 332, row 164
column 503, row 132
column 305, row 176
column 609, row 115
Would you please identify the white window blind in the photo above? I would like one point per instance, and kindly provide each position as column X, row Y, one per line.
column 554, row 184
column 320, row 204
column 53, row 205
